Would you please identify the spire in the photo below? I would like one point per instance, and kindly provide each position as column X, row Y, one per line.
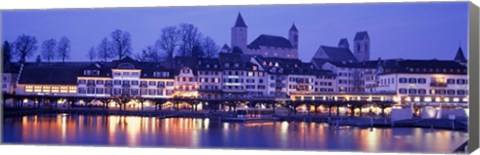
column 240, row 22
column 225, row 46
column 293, row 28
column 459, row 56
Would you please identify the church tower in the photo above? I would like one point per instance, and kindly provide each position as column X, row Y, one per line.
column 293, row 36
column 239, row 34
column 361, row 48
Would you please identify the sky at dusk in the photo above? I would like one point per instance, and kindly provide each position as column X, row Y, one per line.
column 401, row 30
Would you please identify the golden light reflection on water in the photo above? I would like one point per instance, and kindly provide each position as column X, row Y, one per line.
column 186, row 132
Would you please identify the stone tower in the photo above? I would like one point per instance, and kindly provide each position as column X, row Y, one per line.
column 239, row 34
column 361, row 48
column 293, row 36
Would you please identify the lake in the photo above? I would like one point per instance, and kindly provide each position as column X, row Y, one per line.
column 134, row 131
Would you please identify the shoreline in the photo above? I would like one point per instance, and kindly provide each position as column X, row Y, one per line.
column 362, row 122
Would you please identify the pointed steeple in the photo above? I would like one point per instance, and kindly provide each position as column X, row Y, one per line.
column 293, row 28
column 240, row 22
column 459, row 57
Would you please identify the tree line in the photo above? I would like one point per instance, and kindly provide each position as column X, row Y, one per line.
column 180, row 40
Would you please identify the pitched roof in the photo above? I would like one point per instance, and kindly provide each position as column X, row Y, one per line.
column 52, row 73
column 226, row 47
column 293, row 28
column 459, row 56
column 361, row 35
column 270, row 40
column 337, row 54
column 424, row 66
column 239, row 22
column 289, row 66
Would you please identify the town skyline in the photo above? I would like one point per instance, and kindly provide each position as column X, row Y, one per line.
column 437, row 42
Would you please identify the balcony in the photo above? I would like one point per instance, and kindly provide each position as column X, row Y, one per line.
column 438, row 84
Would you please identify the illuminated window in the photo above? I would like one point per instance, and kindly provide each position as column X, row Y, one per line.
column 54, row 89
column 63, row 89
column 37, row 89
column 46, row 89
column 28, row 88
column 72, row 89
column 250, row 74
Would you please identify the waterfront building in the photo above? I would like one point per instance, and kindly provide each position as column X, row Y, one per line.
column 425, row 82
column 9, row 77
column 265, row 45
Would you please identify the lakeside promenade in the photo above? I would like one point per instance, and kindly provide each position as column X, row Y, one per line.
column 364, row 121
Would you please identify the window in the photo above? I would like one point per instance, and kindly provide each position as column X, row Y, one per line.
column 461, row 81
column 169, row 83
column 422, row 80
column 135, row 74
column 450, row 92
column 402, row 80
column 117, row 82
column 422, row 91
column 99, row 91
column 126, row 73
column 161, row 84
column 100, row 82
column 135, row 83
column 126, row 82
column 90, row 90
column 450, row 81
column 402, row 91
column 441, row 91
column 80, row 90
column 461, row 92
column 412, row 80
column 151, row 83
column 151, row 92
column 160, row 92
column 82, row 81
column 412, row 91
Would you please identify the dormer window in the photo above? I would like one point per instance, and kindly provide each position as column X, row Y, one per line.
column 254, row 68
column 227, row 65
column 208, row 66
column 276, row 64
column 161, row 74
column 126, row 66
column 236, row 64
column 215, row 66
column 91, row 72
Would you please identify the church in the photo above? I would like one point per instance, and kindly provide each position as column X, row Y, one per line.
column 264, row 45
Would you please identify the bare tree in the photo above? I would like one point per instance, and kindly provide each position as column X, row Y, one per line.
column 210, row 49
column 168, row 41
column 49, row 49
column 7, row 52
column 149, row 54
column 104, row 50
column 64, row 48
column 92, row 54
column 189, row 37
column 121, row 43
column 25, row 46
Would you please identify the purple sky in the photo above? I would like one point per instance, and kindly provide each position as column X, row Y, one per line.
column 402, row 30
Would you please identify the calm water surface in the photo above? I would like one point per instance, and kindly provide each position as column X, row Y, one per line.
column 208, row 133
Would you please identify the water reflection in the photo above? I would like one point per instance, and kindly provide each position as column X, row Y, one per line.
column 211, row 133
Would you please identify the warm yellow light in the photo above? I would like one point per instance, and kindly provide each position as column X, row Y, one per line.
column 428, row 99
column 456, row 99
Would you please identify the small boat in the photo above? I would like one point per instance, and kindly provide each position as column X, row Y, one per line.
column 252, row 115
